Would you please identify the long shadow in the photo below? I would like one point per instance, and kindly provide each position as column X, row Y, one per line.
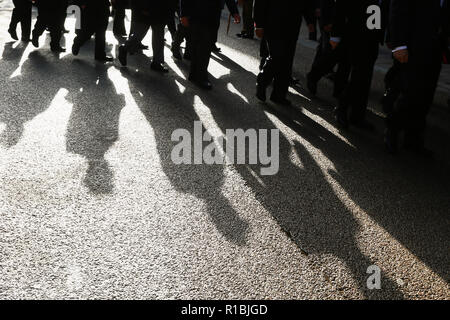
column 300, row 198
column 167, row 109
column 26, row 95
column 94, row 122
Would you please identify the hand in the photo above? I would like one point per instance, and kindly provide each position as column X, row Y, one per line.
column 259, row 32
column 401, row 56
column 184, row 21
column 237, row 18
column 333, row 44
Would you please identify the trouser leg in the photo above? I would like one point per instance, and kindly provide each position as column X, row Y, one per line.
column 139, row 32
column 158, row 43
column 202, row 37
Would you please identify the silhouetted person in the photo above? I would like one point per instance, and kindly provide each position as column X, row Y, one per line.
column 95, row 18
column 419, row 50
column 49, row 17
column 21, row 14
column 202, row 17
column 148, row 13
column 279, row 24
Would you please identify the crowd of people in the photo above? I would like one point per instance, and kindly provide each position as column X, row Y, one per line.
column 416, row 31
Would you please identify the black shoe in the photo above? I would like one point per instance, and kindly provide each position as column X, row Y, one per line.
column 75, row 49
column 363, row 125
column 391, row 141
column 203, row 84
column 311, row 85
column 123, row 55
column 159, row 67
column 65, row 31
column 104, row 58
column 216, row 49
column 176, row 52
column 35, row 42
column 245, row 35
column 341, row 118
column 281, row 101
column 13, row 34
column 58, row 49
column 142, row 47
column 294, row 81
column 261, row 93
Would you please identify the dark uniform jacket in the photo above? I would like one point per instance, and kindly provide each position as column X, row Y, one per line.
column 279, row 16
column 418, row 23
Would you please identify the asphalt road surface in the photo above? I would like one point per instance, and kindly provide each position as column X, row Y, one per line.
column 92, row 206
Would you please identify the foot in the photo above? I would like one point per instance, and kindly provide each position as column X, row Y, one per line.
column 216, row 49
column 143, row 46
column 245, row 35
column 123, row 55
column 104, row 58
column 159, row 67
column 341, row 118
column 65, row 31
column 311, row 85
column 281, row 101
column 294, row 81
column 261, row 93
column 75, row 49
column 203, row 84
column 35, row 42
column 58, row 49
column 13, row 34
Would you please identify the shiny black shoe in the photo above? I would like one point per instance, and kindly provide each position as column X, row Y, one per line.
column 203, row 84
column 143, row 46
column 13, row 34
column 341, row 119
column 159, row 67
column 104, row 58
column 311, row 85
column 391, row 141
column 123, row 55
column 281, row 101
column 58, row 49
column 261, row 93
column 216, row 49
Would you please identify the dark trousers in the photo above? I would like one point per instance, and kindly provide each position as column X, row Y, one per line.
column 172, row 26
column 360, row 57
column 22, row 14
column 326, row 60
column 247, row 17
column 49, row 17
column 278, row 65
column 202, row 39
column 392, row 83
column 182, row 34
column 94, row 22
column 141, row 28
column 418, row 81
column 119, row 22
